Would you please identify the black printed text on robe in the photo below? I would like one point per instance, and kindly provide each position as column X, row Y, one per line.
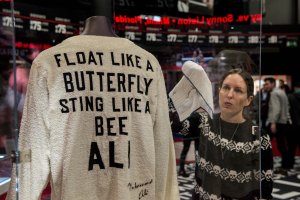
column 111, row 127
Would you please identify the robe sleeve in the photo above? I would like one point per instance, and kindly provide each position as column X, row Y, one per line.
column 31, row 174
column 166, row 185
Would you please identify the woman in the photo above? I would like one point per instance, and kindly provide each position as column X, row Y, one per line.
column 227, row 159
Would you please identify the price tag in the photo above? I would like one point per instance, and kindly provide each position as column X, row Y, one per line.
column 233, row 39
column 35, row 25
column 150, row 37
column 273, row 39
column 172, row 38
column 7, row 21
column 130, row 35
column 61, row 28
column 214, row 39
column 253, row 39
column 192, row 38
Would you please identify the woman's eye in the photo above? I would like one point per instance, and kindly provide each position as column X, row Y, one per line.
column 238, row 91
column 226, row 87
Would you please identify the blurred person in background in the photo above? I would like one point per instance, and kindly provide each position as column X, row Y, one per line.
column 192, row 135
column 278, row 119
column 294, row 100
column 261, row 107
column 23, row 65
column 284, row 87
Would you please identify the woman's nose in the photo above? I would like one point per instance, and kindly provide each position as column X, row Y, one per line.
column 230, row 93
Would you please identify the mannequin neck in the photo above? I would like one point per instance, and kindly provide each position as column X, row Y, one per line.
column 98, row 25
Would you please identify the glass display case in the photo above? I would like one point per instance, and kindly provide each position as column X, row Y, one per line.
column 9, row 114
column 218, row 35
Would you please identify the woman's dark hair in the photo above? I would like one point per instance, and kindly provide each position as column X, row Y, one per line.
column 245, row 75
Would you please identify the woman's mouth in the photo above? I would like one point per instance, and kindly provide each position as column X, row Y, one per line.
column 227, row 104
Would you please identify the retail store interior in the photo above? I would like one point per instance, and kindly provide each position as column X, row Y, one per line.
column 174, row 31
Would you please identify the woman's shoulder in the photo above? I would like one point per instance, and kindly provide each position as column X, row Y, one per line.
column 216, row 115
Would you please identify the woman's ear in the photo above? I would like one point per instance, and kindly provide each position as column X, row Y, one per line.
column 249, row 100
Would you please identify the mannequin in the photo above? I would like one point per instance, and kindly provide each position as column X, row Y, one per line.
column 101, row 22
column 100, row 138
column 98, row 25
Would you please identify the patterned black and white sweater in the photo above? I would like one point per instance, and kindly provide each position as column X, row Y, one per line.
column 236, row 164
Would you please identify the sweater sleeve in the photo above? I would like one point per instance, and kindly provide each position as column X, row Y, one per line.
column 188, row 127
column 32, row 172
column 166, row 185
column 176, row 125
column 266, row 166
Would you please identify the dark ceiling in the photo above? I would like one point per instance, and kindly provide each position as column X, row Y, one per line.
column 66, row 4
column 158, row 7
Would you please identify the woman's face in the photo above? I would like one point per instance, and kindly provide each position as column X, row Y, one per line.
column 233, row 95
